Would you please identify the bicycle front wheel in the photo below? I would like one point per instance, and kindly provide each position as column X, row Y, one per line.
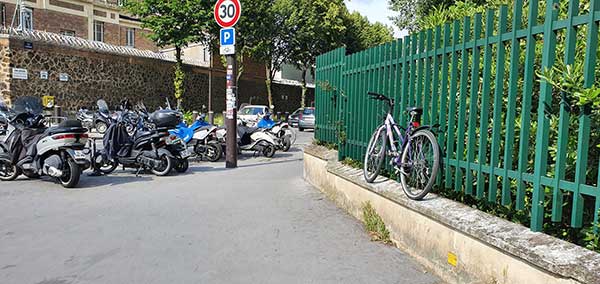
column 420, row 164
column 375, row 154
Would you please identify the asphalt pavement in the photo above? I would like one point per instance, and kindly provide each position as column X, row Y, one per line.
column 259, row 223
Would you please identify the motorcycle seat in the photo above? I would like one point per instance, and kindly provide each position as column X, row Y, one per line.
column 68, row 126
column 141, row 134
column 204, row 128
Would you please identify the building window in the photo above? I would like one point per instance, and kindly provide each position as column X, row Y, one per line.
column 3, row 14
column 67, row 33
column 130, row 37
column 26, row 19
column 98, row 31
column 206, row 54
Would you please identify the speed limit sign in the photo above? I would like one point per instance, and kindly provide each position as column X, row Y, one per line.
column 227, row 12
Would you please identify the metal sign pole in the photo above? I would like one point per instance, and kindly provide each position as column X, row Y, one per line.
column 231, row 158
column 227, row 13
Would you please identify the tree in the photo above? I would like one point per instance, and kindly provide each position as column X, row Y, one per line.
column 362, row 34
column 411, row 11
column 318, row 28
column 174, row 23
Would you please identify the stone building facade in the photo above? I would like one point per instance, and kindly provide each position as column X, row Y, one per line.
column 99, row 20
column 95, row 70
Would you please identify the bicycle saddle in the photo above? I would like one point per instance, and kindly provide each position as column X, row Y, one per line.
column 417, row 110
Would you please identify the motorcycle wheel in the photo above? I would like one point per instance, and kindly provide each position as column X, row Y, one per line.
column 182, row 166
column 214, row 151
column 101, row 127
column 291, row 133
column 103, row 165
column 8, row 171
column 165, row 166
column 269, row 151
column 73, row 173
column 287, row 144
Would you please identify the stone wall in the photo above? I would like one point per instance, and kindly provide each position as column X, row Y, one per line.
column 95, row 74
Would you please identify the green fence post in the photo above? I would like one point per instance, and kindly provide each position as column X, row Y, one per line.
column 513, row 81
column 485, row 102
column 462, row 113
column 451, row 142
column 498, row 93
column 473, row 107
column 528, row 82
column 541, row 147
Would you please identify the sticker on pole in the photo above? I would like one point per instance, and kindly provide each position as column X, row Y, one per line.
column 227, row 12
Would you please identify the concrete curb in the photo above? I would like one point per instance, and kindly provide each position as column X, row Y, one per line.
column 489, row 249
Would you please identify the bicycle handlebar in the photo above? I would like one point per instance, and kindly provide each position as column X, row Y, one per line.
column 380, row 97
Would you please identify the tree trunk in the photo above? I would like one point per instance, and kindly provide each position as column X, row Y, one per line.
column 304, row 89
column 268, row 83
column 179, row 77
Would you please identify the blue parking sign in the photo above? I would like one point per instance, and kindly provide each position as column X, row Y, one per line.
column 228, row 36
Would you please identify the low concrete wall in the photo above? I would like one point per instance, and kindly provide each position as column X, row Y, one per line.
column 487, row 249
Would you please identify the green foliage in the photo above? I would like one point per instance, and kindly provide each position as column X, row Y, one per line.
column 570, row 80
column 415, row 15
column 374, row 224
column 319, row 27
column 172, row 22
column 178, row 82
column 328, row 145
column 361, row 34
column 352, row 163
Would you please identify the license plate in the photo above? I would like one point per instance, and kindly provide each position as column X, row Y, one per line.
column 185, row 154
column 80, row 155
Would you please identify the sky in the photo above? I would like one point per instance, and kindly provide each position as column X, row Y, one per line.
column 376, row 11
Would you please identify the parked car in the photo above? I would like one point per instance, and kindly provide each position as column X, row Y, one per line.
column 306, row 120
column 250, row 114
column 293, row 118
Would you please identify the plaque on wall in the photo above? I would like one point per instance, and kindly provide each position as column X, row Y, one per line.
column 20, row 73
column 63, row 77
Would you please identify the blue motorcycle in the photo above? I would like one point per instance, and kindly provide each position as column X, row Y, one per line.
column 284, row 134
column 201, row 138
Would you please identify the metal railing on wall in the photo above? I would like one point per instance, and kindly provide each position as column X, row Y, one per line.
column 507, row 136
column 77, row 42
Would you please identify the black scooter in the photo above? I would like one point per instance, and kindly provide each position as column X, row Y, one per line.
column 142, row 150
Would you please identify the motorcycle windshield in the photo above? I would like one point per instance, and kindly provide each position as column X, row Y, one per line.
column 31, row 105
column 3, row 107
column 102, row 105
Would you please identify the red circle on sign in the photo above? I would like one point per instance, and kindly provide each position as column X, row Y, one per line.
column 236, row 17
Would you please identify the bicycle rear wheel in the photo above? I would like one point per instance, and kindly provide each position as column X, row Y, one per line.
column 420, row 164
column 375, row 154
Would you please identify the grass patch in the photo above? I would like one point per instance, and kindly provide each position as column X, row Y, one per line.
column 352, row 163
column 375, row 225
column 328, row 145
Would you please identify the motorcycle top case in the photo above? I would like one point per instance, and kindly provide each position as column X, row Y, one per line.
column 166, row 118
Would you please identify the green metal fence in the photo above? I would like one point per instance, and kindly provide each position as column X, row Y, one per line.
column 504, row 132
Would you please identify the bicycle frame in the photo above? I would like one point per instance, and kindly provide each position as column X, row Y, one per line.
column 391, row 127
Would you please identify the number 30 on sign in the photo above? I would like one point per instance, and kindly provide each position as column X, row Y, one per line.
column 227, row 12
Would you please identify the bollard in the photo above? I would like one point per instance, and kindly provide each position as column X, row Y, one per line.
column 278, row 115
column 194, row 116
column 287, row 115
column 57, row 115
column 211, row 117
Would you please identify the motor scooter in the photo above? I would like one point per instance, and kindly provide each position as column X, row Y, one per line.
column 201, row 138
column 285, row 135
column 35, row 150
